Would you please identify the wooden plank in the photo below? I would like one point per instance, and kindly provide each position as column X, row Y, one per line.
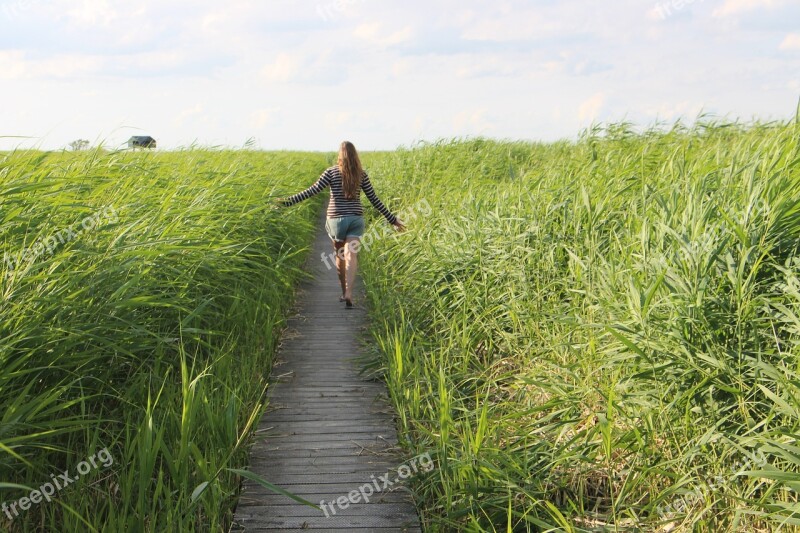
column 323, row 439
column 355, row 510
column 369, row 523
column 372, row 443
column 328, row 430
column 336, row 449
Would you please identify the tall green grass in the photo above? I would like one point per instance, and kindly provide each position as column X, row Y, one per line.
column 588, row 336
column 151, row 334
column 599, row 335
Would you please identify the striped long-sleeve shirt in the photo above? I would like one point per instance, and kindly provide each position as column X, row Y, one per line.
column 339, row 206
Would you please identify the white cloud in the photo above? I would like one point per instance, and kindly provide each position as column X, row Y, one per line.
column 375, row 33
column 336, row 119
column 736, row 7
column 284, row 69
column 385, row 73
column 574, row 64
column 115, row 24
column 92, row 13
column 313, row 68
column 674, row 110
column 591, row 107
column 521, row 24
column 488, row 67
column 190, row 113
column 14, row 65
column 261, row 118
column 472, row 122
column 791, row 42
column 159, row 60
column 402, row 68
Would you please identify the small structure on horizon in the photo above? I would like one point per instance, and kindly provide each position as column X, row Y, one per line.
column 141, row 141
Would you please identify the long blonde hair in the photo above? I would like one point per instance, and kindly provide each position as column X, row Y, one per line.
column 351, row 169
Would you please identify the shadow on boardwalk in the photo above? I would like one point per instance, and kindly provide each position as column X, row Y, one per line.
column 327, row 432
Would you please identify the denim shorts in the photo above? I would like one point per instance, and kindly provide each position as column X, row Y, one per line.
column 340, row 228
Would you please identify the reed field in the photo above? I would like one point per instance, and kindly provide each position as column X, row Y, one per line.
column 598, row 335
column 142, row 296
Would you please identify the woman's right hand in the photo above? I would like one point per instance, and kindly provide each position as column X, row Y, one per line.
column 399, row 226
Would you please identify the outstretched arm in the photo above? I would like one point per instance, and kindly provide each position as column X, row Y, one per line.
column 323, row 182
column 366, row 186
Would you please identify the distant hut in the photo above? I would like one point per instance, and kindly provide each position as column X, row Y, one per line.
column 141, row 142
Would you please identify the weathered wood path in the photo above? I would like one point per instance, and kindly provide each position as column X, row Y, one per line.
column 328, row 432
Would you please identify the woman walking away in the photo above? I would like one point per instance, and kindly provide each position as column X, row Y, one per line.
column 345, row 216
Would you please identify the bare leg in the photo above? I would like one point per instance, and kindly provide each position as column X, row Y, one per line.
column 351, row 265
column 338, row 247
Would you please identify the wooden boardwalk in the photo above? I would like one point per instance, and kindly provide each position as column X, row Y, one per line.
column 328, row 432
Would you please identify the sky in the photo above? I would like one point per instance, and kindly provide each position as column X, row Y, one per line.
column 307, row 74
